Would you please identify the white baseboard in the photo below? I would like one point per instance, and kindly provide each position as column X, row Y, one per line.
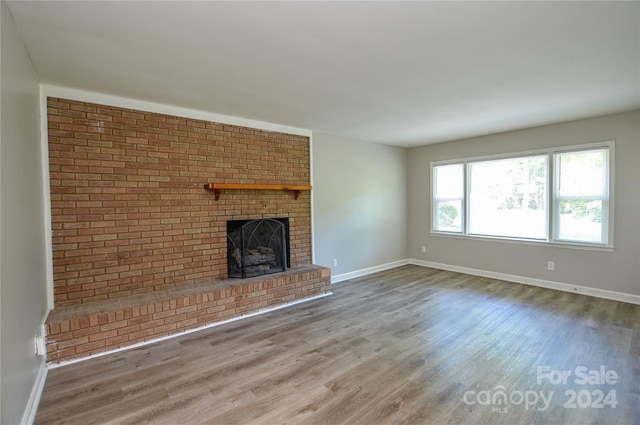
column 31, row 409
column 577, row 289
column 358, row 273
column 210, row 325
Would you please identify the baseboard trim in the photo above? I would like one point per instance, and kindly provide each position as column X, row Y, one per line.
column 369, row 270
column 31, row 409
column 210, row 325
column 577, row 289
column 29, row 414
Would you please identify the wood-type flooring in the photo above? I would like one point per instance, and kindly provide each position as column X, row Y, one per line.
column 411, row 345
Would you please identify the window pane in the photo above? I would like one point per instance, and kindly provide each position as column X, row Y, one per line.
column 508, row 197
column 580, row 220
column 583, row 173
column 582, row 195
column 449, row 216
column 449, row 183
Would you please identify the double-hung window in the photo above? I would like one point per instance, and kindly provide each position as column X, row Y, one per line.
column 556, row 195
column 581, row 207
column 448, row 197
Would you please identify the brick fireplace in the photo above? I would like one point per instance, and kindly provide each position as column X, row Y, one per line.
column 140, row 247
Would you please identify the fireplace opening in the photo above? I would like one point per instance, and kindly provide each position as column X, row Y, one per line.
column 257, row 247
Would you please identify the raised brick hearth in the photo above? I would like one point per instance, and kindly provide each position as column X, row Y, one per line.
column 84, row 330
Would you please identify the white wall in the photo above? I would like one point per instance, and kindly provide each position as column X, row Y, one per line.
column 615, row 271
column 359, row 203
column 23, row 302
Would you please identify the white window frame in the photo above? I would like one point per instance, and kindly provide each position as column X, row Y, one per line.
column 435, row 201
column 553, row 198
column 605, row 198
column 528, row 155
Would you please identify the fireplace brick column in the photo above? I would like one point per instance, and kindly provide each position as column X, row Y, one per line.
column 129, row 212
column 139, row 246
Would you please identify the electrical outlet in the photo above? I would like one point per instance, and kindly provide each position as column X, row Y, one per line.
column 551, row 265
column 40, row 345
column 335, row 262
column 424, row 249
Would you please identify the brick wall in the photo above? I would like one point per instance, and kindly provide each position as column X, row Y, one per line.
column 129, row 212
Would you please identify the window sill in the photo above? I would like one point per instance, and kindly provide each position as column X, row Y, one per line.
column 566, row 245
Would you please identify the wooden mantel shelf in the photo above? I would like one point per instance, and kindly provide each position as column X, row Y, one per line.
column 219, row 187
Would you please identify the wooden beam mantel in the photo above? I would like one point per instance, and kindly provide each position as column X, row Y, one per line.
column 219, row 187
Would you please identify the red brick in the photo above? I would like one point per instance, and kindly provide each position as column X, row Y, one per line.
column 168, row 159
column 138, row 220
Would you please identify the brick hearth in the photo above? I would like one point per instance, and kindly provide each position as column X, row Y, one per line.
column 80, row 331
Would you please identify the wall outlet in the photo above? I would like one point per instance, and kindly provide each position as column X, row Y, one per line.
column 424, row 249
column 551, row 265
column 40, row 346
column 335, row 262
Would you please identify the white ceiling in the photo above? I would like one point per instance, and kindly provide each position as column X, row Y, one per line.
column 400, row 73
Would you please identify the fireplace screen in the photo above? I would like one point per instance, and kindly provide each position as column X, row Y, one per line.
column 257, row 247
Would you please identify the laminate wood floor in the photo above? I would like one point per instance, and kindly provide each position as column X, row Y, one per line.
column 411, row 345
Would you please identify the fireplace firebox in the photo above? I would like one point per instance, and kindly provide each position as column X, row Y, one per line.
column 257, row 247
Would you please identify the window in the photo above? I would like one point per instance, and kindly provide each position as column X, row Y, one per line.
column 559, row 196
column 508, row 197
column 448, row 197
column 582, row 196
